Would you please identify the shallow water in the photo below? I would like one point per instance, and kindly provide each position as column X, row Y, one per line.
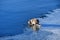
column 14, row 14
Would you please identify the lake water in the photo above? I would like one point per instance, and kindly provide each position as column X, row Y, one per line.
column 14, row 14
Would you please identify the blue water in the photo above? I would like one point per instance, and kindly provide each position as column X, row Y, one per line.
column 14, row 14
